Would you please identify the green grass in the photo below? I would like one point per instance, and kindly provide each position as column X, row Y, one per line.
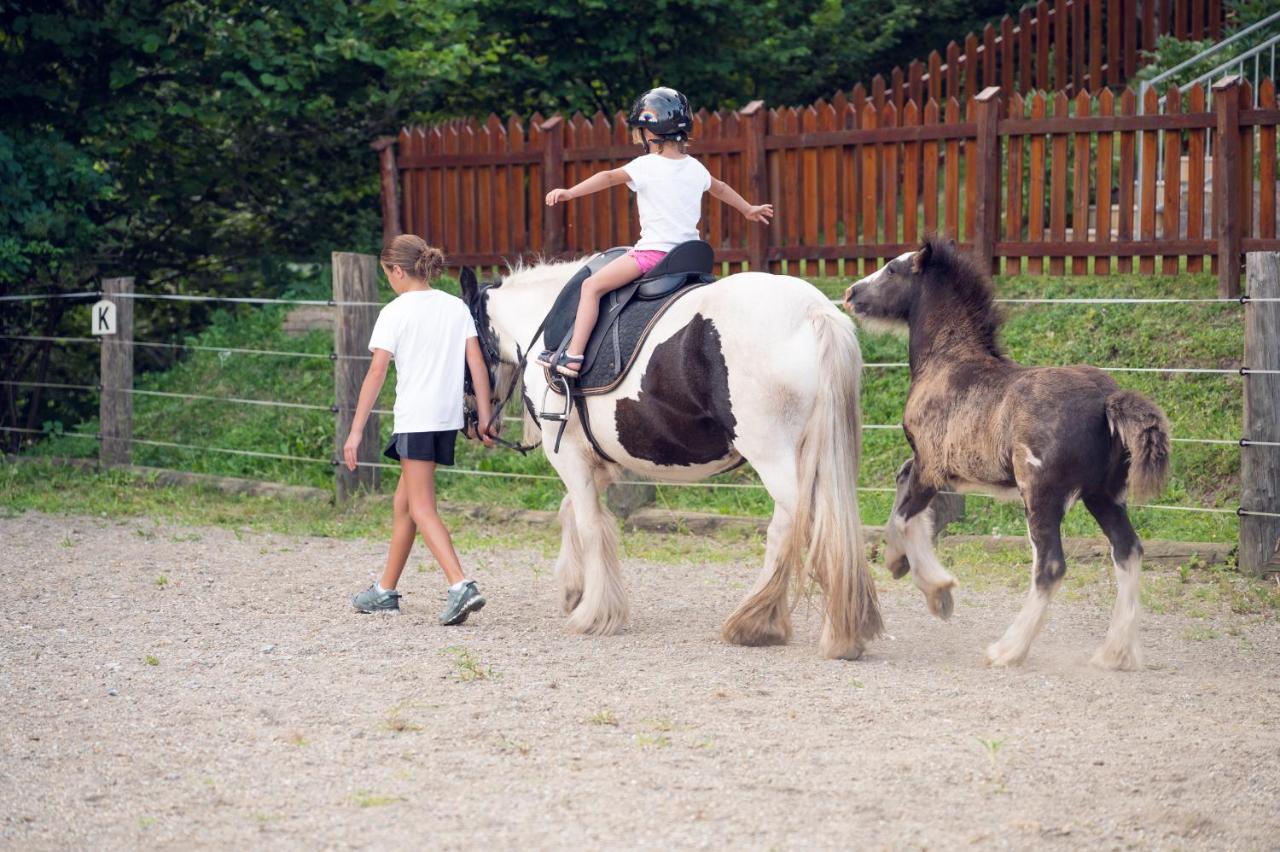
column 1199, row 406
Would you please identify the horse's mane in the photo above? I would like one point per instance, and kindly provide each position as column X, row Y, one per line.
column 522, row 272
column 961, row 281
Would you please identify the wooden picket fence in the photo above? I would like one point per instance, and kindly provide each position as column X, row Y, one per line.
column 1038, row 184
column 1066, row 45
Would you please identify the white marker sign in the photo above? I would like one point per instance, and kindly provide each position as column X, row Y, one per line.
column 103, row 319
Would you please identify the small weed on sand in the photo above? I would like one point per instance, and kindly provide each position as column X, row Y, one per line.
column 467, row 667
column 603, row 717
column 366, row 799
column 1199, row 634
column 506, row 745
column 653, row 740
column 162, row 581
column 398, row 724
column 151, row 660
column 992, row 748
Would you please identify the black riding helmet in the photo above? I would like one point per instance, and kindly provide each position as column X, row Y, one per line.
column 664, row 112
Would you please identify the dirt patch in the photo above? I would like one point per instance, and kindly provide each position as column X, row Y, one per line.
column 165, row 686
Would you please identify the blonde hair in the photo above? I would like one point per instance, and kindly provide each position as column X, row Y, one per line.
column 637, row 136
column 414, row 256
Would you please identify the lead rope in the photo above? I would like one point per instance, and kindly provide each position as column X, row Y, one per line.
column 523, row 449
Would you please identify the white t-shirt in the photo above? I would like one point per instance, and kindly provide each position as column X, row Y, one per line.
column 426, row 332
column 669, row 196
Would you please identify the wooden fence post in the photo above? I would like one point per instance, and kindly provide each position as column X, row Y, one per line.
column 115, row 382
column 755, row 165
column 390, row 172
column 1260, row 465
column 1227, row 188
column 987, row 177
column 553, row 218
column 355, row 279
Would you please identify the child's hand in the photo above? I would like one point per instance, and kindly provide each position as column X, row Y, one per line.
column 759, row 213
column 555, row 196
column 349, row 450
column 488, row 433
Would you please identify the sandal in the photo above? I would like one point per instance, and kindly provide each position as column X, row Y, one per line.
column 547, row 359
column 569, row 365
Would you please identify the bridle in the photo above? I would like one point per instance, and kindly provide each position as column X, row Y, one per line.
column 489, row 350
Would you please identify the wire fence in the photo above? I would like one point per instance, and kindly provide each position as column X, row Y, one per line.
column 1242, row 441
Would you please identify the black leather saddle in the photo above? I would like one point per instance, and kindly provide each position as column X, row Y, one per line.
column 626, row 314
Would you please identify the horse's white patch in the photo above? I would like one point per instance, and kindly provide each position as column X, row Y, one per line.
column 1031, row 457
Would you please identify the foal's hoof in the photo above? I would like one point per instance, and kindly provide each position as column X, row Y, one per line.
column 836, row 651
column 570, row 600
column 940, row 601
column 1000, row 657
column 752, row 635
column 1125, row 659
column 897, row 565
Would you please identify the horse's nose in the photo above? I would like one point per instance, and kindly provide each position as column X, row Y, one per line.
column 848, row 295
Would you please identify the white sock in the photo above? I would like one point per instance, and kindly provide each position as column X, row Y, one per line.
column 457, row 587
column 377, row 584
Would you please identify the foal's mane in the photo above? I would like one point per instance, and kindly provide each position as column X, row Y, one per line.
column 961, row 282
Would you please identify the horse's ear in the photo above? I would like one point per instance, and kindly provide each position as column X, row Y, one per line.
column 470, row 287
column 922, row 258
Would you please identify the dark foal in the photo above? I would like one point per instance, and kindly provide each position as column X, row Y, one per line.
column 977, row 421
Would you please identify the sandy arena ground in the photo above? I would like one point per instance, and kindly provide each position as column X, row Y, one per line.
column 244, row 705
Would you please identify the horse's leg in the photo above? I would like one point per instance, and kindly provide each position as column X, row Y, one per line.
column 1120, row 649
column 910, row 532
column 1044, row 527
column 764, row 616
column 602, row 603
column 569, row 562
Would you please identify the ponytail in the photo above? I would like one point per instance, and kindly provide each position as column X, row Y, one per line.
column 414, row 256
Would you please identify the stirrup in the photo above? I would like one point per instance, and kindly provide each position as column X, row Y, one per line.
column 559, row 385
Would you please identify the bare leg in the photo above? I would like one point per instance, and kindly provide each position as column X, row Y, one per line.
column 1120, row 649
column 617, row 272
column 402, row 532
column 419, row 480
column 1044, row 521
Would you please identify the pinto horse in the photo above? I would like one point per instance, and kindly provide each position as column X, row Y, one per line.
column 976, row 420
column 752, row 367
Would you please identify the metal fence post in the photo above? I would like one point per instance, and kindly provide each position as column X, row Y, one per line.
column 355, row 279
column 115, row 407
column 1260, row 465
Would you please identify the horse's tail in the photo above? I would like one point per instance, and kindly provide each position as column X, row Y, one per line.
column 1143, row 429
column 827, row 524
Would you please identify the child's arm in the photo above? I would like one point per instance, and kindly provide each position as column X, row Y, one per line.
column 368, row 396
column 727, row 194
column 595, row 183
column 480, row 382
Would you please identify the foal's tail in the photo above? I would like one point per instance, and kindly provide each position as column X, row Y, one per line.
column 1144, row 431
column 827, row 523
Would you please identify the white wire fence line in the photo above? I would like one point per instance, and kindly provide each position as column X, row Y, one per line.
column 555, row 479
column 335, row 409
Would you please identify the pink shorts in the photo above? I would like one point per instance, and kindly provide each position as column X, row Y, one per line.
column 646, row 259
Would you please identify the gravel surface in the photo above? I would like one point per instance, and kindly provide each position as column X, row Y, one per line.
column 242, row 703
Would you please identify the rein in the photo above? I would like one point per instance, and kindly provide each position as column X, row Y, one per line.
column 522, row 449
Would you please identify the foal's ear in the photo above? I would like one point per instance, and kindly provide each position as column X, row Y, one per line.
column 921, row 258
column 470, row 287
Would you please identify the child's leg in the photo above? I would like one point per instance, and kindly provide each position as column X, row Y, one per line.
column 403, row 530
column 419, row 480
column 622, row 270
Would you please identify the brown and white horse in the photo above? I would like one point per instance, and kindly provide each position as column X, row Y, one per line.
column 976, row 420
column 754, row 366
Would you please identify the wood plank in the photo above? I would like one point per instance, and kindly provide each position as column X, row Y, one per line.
column 452, row 180
column 951, row 183
column 1148, row 30
column 1129, row 34
column 910, row 178
column 1061, row 46
column 1070, row 248
column 1128, row 174
column 1147, row 204
column 1096, row 83
column 602, row 135
column 970, row 65
column 501, row 207
column 1195, row 177
column 930, row 165
column 989, row 76
column 1026, row 57
column 1172, row 182
column 1198, row 29
column 775, row 233
column 517, row 198
column 484, row 193
column 1081, row 168
column 1102, row 231
column 850, row 187
column 873, row 136
column 951, row 88
column 1058, row 186
column 828, row 179
column 1267, row 164
column 713, row 218
column 1100, row 124
column 970, row 168
column 1079, row 48
column 355, row 279
column 430, row 160
column 435, row 189
column 1013, row 177
column 1260, row 465
column 534, row 204
column 1246, row 165
column 890, row 181
column 1036, row 195
column 1007, row 43
column 115, row 375
column 1114, row 43
column 915, row 81
column 870, row 168
column 792, row 178
column 1044, row 33
column 810, row 191
column 897, row 88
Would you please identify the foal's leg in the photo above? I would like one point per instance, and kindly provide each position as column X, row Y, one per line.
column 1044, row 522
column 1120, row 649
column 909, row 535
column 764, row 617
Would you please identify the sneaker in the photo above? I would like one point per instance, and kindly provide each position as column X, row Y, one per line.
column 462, row 602
column 372, row 600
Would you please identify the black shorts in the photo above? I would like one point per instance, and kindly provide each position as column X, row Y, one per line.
column 422, row 446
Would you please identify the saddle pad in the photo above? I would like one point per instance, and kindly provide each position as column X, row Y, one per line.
column 625, row 336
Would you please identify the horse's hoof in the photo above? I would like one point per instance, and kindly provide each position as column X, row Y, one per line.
column 998, row 657
column 849, row 652
column 570, row 600
column 940, row 602
column 753, row 636
column 1117, row 659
